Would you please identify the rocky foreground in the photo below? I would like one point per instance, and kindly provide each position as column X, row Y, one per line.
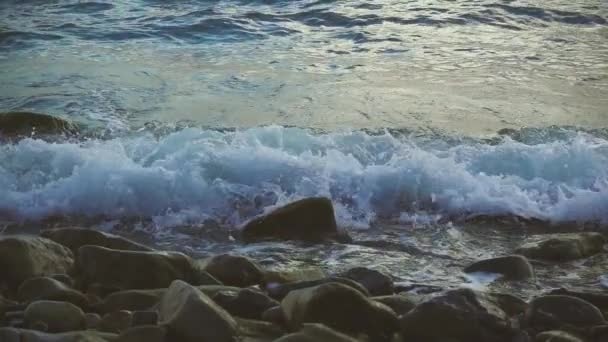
column 73, row 284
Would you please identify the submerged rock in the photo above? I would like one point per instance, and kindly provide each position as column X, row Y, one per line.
column 26, row 124
column 56, row 316
column 23, row 257
column 342, row 308
column 558, row 312
column 314, row 332
column 191, row 316
column 74, row 238
column 41, row 288
column 137, row 269
column 235, row 270
column 511, row 267
column 376, row 282
column 563, row 247
column 310, row 219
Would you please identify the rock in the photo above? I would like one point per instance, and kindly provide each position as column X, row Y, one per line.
column 556, row 336
column 23, row 257
column 58, row 316
column 136, row 269
column 144, row 333
column 191, row 316
column 233, row 270
column 293, row 275
column 310, row 219
column 131, row 300
column 254, row 330
column 457, row 316
column 399, row 303
column 24, row 124
column 245, row 303
column 41, row 288
column 64, row 278
column 92, row 320
column 376, row 282
column 511, row 267
column 116, row 322
column 563, row 247
column 275, row 315
column 599, row 333
column 342, row 308
column 599, row 299
column 314, row 332
column 279, row 291
column 23, row 335
column 148, row 317
column 74, row 238
column 558, row 312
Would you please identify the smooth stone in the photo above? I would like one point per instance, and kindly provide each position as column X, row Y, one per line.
column 144, row 333
column 92, row 320
column 557, row 311
column 24, row 335
column 599, row 299
column 23, row 257
column 45, row 288
column 399, row 303
column 563, row 247
column 24, row 124
column 511, row 267
column 245, row 303
column 74, row 238
column 58, row 316
column 192, row 316
column 131, row 300
column 376, row 282
column 255, row 330
column 148, row 317
column 342, row 308
column 315, row 332
column 234, row 270
column 275, row 315
column 116, row 322
column 64, row 278
column 461, row 315
column 556, row 336
column 279, row 291
column 309, row 219
column 137, row 269
column 293, row 275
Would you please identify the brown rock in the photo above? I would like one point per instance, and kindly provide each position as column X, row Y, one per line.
column 41, row 288
column 57, row 316
column 233, row 270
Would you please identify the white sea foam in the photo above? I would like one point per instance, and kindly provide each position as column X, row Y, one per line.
column 197, row 174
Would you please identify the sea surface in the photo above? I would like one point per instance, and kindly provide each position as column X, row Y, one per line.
column 443, row 131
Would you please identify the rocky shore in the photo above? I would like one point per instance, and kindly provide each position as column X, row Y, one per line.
column 75, row 284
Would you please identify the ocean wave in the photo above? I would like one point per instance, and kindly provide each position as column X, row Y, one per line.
column 192, row 175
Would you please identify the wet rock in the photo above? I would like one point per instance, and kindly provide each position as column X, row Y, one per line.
column 275, row 315
column 131, row 300
column 233, row 270
column 191, row 316
column 245, row 303
column 399, row 303
column 563, row 247
column 144, row 333
column 342, row 308
column 310, row 219
column 314, row 332
column 23, row 335
column 293, row 275
column 279, row 291
column 147, row 317
column 41, row 288
column 92, row 320
column 74, row 238
column 64, row 278
column 376, row 282
column 116, row 322
column 58, row 316
column 557, row 336
column 136, row 269
column 258, row 331
column 23, row 257
column 599, row 333
column 511, row 267
column 559, row 312
column 460, row 316
column 599, row 299
column 25, row 124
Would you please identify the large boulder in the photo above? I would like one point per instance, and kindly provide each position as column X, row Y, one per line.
column 24, row 335
column 342, row 308
column 460, row 316
column 192, row 316
column 23, row 257
column 56, row 316
column 559, row 312
column 41, row 288
column 562, row 247
column 314, row 332
column 234, row 270
column 137, row 269
column 74, row 238
column 245, row 303
column 511, row 267
column 26, row 124
column 376, row 282
column 310, row 219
